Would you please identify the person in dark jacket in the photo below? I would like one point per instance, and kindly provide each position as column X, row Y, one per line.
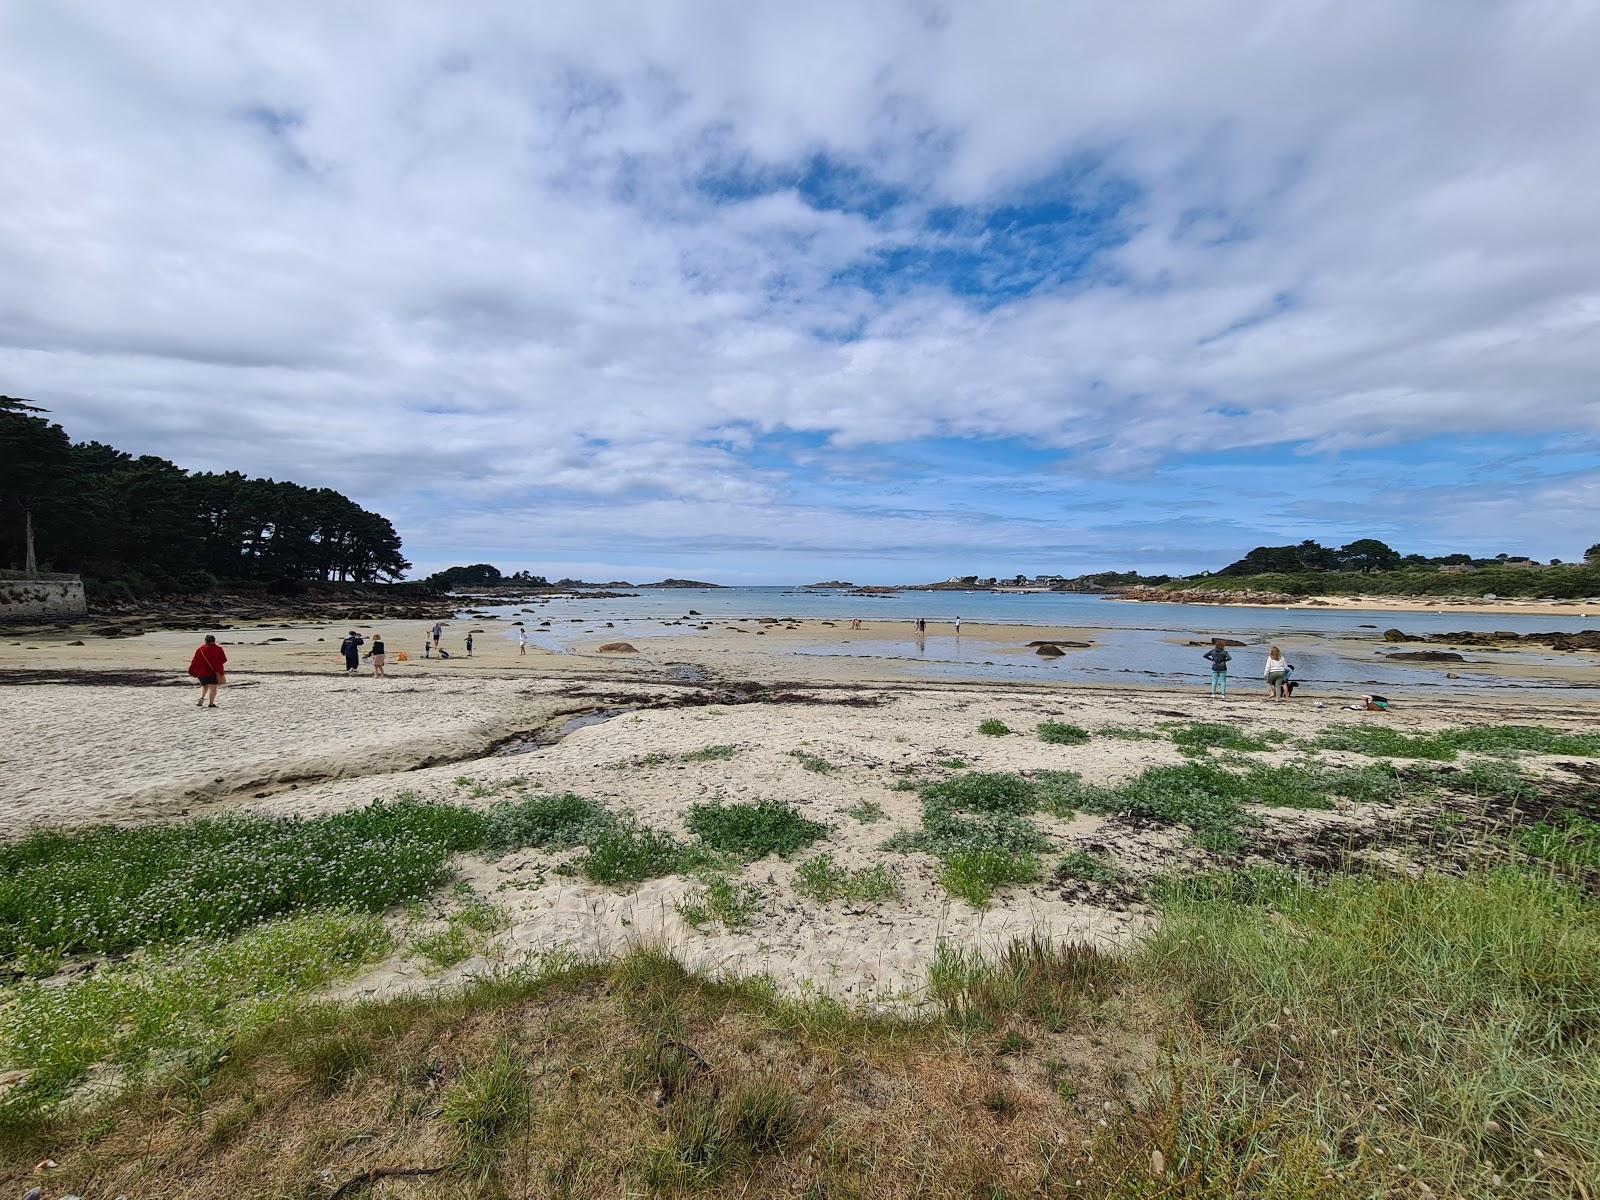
column 1219, row 658
column 351, row 649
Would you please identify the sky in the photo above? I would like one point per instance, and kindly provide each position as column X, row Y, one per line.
column 776, row 292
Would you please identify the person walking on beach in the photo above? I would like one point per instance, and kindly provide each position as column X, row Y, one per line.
column 351, row 649
column 1219, row 657
column 208, row 666
column 958, row 626
column 438, row 632
column 1277, row 674
column 469, row 645
column 376, row 655
column 522, row 643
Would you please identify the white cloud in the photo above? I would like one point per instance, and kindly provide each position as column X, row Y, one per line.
column 462, row 253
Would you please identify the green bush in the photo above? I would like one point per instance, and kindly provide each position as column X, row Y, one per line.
column 994, row 728
column 549, row 822
column 753, row 830
column 625, row 851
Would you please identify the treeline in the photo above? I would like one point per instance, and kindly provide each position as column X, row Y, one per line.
column 479, row 575
column 1310, row 569
column 142, row 525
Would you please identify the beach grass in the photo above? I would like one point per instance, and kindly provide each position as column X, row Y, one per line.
column 821, row 879
column 722, row 900
column 1252, row 1045
column 992, row 727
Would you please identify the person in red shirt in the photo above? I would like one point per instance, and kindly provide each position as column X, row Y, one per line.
column 207, row 666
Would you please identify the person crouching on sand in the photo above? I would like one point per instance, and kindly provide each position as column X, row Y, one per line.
column 208, row 666
column 1277, row 674
column 376, row 655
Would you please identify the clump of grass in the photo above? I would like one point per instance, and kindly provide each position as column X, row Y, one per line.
column 709, row 1133
column 174, row 1003
column 548, row 822
column 1050, row 982
column 710, row 754
column 1464, row 1050
column 868, row 812
column 975, row 875
column 813, row 762
column 1570, row 840
column 488, row 1104
column 720, row 899
column 983, row 791
column 1058, row 733
column 994, row 728
column 464, row 932
column 108, row 889
column 1090, row 867
column 1197, row 737
column 753, row 830
column 1128, row 733
column 821, row 879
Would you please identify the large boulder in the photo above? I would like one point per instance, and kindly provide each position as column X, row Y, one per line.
column 619, row 648
column 1426, row 656
column 1049, row 650
column 1397, row 635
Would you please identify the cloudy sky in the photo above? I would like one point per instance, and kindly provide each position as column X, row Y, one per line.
column 770, row 291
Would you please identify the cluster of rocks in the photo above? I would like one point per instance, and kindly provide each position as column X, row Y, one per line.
column 1212, row 596
column 1588, row 639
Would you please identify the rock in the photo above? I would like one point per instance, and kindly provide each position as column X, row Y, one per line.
column 1224, row 641
column 74, row 643
column 619, row 648
column 693, row 613
column 33, row 1193
column 1050, row 650
column 1426, row 656
column 1397, row 635
column 1059, row 642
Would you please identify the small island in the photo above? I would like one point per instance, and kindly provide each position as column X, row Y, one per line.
column 832, row 583
column 679, row 583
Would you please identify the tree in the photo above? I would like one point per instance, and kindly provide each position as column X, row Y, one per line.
column 1368, row 555
column 33, row 460
column 1592, row 555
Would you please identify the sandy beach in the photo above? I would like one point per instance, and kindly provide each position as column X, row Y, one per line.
column 108, row 731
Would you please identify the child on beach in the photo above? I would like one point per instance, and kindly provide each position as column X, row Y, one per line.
column 522, row 642
column 376, row 654
column 469, row 645
column 1219, row 657
column 427, row 646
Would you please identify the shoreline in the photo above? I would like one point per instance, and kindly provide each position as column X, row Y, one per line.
column 1400, row 604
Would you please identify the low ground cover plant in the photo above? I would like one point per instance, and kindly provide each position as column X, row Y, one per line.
column 1198, row 737
column 994, row 727
column 1059, row 733
column 177, row 1002
column 720, row 899
column 1380, row 741
column 753, row 830
column 813, row 762
column 112, row 889
column 1089, row 866
column 821, row 879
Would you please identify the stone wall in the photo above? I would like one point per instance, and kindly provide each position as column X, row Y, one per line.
column 40, row 596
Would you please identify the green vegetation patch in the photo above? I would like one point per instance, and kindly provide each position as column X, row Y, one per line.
column 994, row 728
column 107, row 889
column 1089, row 867
column 175, row 1004
column 1055, row 983
column 710, row 754
column 975, row 825
column 720, row 899
column 1568, row 840
column 753, row 830
column 627, row 851
column 975, row 875
column 821, row 879
column 1058, row 733
column 813, row 762
column 1379, row 741
column 1198, row 737
column 548, row 822
column 1465, row 1050
column 868, row 812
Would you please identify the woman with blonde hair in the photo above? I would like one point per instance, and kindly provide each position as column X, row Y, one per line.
column 1277, row 673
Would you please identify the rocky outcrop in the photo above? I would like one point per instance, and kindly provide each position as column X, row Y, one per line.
column 1588, row 639
column 1151, row 595
column 1426, row 656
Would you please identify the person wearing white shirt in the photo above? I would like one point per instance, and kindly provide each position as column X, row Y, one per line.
column 1277, row 672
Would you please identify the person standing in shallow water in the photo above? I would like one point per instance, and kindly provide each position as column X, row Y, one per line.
column 208, row 666
column 1219, row 657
